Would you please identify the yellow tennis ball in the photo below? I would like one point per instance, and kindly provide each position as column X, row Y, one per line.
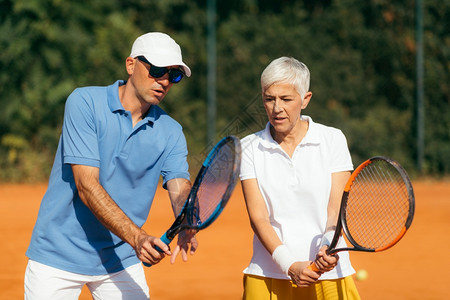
column 362, row 275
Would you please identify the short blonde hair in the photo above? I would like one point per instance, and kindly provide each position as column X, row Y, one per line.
column 286, row 70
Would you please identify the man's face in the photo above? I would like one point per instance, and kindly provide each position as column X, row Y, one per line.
column 149, row 89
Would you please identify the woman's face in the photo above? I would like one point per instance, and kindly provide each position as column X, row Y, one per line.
column 283, row 106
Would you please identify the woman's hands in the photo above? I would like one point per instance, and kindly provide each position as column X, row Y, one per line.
column 324, row 262
column 302, row 275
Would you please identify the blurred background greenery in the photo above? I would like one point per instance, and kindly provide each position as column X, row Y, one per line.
column 361, row 54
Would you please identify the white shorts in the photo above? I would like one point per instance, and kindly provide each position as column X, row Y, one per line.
column 43, row 282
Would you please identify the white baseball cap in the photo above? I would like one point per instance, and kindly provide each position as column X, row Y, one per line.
column 160, row 50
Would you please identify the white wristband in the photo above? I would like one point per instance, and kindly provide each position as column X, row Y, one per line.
column 327, row 238
column 283, row 257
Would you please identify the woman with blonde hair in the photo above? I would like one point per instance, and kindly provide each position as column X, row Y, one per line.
column 293, row 174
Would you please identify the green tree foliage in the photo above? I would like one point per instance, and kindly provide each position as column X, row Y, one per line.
column 49, row 48
column 361, row 55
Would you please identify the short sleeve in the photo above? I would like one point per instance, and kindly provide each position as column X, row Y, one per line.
column 247, row 158
column 341, row 158
column 79, row 137
column 175, row 164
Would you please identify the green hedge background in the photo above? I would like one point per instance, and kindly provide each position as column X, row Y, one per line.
column 361, row 54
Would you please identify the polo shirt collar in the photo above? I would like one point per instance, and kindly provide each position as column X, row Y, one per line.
column 113, row 96
column 152, row 114
column 115, row 104
column 267, row 139
column 311, row 136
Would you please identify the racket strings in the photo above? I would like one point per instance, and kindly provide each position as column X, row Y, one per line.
column 215, row 183
column 378, row 206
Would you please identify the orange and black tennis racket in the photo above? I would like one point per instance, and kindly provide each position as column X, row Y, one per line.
column 377, row 207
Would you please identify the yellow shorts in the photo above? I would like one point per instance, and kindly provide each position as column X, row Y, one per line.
column 263, row 288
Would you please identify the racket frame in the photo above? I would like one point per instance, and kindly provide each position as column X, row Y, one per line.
column 185, row 217
column 342, row 224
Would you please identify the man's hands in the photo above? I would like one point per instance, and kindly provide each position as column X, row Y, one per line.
column 186, row 243
column 146, row 247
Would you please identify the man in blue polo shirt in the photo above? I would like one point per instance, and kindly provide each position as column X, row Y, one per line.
column 116, row 143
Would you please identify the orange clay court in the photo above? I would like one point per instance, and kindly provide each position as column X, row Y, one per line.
column 416, row 268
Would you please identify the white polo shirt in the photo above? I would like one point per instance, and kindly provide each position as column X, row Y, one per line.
column 296, row 191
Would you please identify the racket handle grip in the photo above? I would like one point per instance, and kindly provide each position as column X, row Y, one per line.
column 313, row 267
column 166, row 241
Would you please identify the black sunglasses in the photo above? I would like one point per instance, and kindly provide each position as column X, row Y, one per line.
column 175, row 75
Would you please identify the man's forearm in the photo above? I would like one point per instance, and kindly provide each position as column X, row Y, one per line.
column 110, row 214
column 178, row 189
column 95, row 197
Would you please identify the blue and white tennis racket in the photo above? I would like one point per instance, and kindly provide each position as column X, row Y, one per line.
column 211, row 190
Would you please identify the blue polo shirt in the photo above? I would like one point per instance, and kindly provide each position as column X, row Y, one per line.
column 98, row 132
